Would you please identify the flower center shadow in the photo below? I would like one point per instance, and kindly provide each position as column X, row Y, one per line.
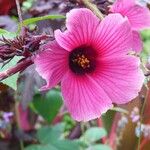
column 82, row 60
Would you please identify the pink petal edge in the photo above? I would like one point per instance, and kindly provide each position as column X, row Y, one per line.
column 138, row 16
column 81, row 24
column 120, row 77
column 84, row 98
column 51, row 64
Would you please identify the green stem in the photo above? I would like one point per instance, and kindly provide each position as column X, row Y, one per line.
column 94, row 8
column 141, row 116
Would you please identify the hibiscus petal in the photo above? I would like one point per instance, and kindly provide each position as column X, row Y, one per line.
column 66, row 40
column 137, row 41
column 138, row 16
column 84, row 98
column 120, row 5
column 51, row 64
column 115, row 36
column 82, row 28
column 121, row 77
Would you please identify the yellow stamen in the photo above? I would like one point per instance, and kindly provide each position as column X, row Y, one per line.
column 82, row 61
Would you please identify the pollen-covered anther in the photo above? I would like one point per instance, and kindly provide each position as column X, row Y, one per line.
column 82, row 61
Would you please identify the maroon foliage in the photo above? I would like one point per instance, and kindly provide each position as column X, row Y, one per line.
column 6, row 6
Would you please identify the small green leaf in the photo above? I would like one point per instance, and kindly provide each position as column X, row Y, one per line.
column 36, row 19
column 49, row 134
column 94, row 134
column 99, row 147
column 2, row 31
column 26, row 5
column 47, row 106
column 12, row 80
column 146, row 51
column 7, row 34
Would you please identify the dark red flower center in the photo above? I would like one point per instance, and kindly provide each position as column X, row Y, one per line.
column 82, row 60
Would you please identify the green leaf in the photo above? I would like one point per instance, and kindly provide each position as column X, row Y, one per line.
column 52, row 136
column 26, row 5
column 99, row 147
column 12, row 80
column 2, row 31
column 57, row 145
column 49, row 134
column 145, row 34
column 66, row 145
column 7, row 34
column 41, row 147
column 47, row 106
column 36, row 19
column 94, row 134
column 107, row 119
column 49, row 137
column 146, row 51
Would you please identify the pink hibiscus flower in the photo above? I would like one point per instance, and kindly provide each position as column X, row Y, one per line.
column 91, row 62
column 139, row 18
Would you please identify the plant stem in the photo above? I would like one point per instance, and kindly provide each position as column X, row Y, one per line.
column 19, row 12
column 19, row 67
column 18, row 122
column 93, row 7
column 141, row 116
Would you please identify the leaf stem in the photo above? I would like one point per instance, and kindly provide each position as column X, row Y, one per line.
column 121, row 110
column 94, row 8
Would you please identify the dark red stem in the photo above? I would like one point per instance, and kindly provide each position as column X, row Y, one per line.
column 19, row 67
